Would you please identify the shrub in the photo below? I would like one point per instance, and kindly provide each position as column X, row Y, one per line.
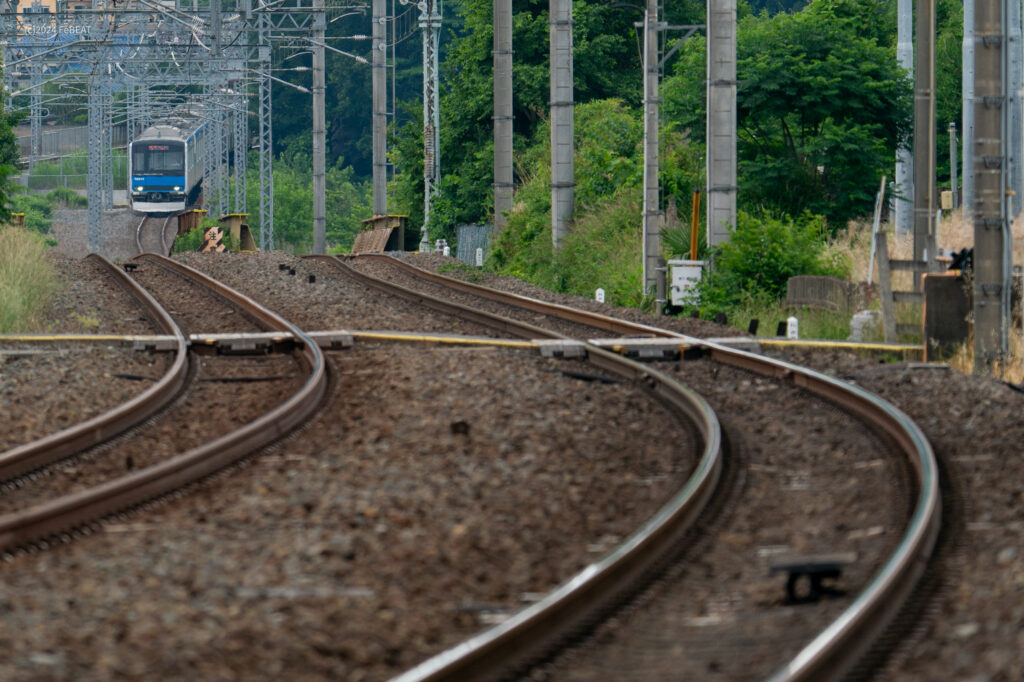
column 67, row 198
column 763, row 252
column 38, row 211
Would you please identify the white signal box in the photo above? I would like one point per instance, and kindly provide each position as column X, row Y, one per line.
column 686, row 274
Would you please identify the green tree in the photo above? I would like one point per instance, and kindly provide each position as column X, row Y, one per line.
column 8, row 158
column 348, row 201
column 948, row 79
column 606, row 64
column 603, row 248
column 821, row 104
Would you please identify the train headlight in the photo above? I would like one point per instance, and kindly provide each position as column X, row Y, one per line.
column 177, row 189
column 139, row 188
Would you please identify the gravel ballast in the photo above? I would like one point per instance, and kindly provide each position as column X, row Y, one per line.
column 258, row 572
column 410, row 516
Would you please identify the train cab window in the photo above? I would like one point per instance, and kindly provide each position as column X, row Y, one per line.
column 163, row 157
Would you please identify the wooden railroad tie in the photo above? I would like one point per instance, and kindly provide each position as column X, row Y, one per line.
column 814, row 569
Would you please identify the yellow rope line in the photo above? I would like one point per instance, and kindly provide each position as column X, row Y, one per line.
column 849, row 345
column 426, row 338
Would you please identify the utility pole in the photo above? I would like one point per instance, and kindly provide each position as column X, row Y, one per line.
column 430, row 25
column 967, row 134
column 924, row 142
column 563, row 180
column 904, row 194
column 319, row 131
column 721, row 120
column 993, row 241
column 1015, row 133
column 502, row 113
column 380, row 114
column 652, row 194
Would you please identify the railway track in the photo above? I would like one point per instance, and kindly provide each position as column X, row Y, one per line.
column 826, row 656
column 43, row 451
column 133, row 480
column 567, row 322
column 531, row 631
column 151, row 235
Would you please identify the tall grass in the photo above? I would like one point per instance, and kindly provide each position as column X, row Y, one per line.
column 27, row 280
column 812, row 323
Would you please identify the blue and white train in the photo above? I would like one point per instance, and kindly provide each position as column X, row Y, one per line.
column 165, row 167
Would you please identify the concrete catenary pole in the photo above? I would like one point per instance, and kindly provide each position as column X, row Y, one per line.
column 380, row 114
column 652, row 195
column 967, row 134
column 721, row 120
column 430, row 25
column 904, row 195
column 563, row 183
column 1015, row 138
column 993, row 250
column 502, row 113
column 319, row 132
column 924, row 140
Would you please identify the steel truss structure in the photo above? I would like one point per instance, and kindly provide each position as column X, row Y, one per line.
column 130, row 63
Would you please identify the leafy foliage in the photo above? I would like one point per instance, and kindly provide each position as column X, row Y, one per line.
column 763, row 253
column 606, row 64
column 38, row 210
column 948, row 79
column 72, row 171
column 822, row 107
column 63, row 197
column 603, row 248
column 347, row 201
column 190, row 241
column 348, row 91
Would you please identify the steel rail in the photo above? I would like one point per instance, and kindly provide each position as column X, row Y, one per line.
column 165, row 250
column 836, row 649
column 597, row 586
column 527, row 633
column 138, row 234
column 39, row 453
column 163, row 237
column 501, row 324
column 583, row 317
column 58, row 516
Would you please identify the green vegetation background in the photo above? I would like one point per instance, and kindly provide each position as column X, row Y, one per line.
column 822, row 109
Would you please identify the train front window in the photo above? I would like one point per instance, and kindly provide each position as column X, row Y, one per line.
column 158, row 157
